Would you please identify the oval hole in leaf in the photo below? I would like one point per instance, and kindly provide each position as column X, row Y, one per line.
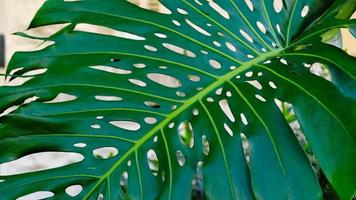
column 26, row 163
column 225, row 107
column 150, row 120
column 179, row 50
column 100, row 197
column 80, row 145
column 228, row 129
column 138, row 82
column 127, row 125
column 124, row 179
column 197, row 28
column 105, row 152
column 74, row 190
column 278, row 5
column 186, row 135
column 165, row 80
column 249, row 4
column 90, row 28
column 62, row 97
column 113, row 70
column 180, row 158
column 108, row 98
column 194, row 78
column 37, row 195
column 152, row 104
column 246, row 147
column 162, row 9
column 206, row 145
column 153, row 162
column 219, row 9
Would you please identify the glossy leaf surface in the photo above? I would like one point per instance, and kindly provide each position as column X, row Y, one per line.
column 158, row 103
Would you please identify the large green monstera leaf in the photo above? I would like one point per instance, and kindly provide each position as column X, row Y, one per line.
column 171, row 98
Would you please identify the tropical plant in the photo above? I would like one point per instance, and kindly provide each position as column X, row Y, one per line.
column 160, row 104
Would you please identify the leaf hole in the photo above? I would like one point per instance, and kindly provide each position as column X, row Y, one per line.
column 138, row 82
column 74, row 190
column 197, row 28
column 161, row 35
column 246, row 147
column 105, row 152
column 261, row 98
column 249, row 4
column 215, row 64
column 150, row 48
column 195, row 112
column 225, row 107
column 139, row 65
column 152, row 104
column 127, row 125
column 61, row 98
column 186, row 134
column 179, row 50
column 107, row 98
column 25, row 164
column 228, row 130
column 255, row 84
column 180, row 158
column 80, row 145
column 95, row 126
column 153, row 162
column 246, row 36
column 206, row 145
column 278, row 5
column 231, row 47
column 37, row 195
column 244, row 119
column 165, row 80
column 150, row 120
column 219, row 9
column 193, row 78
column 103, row 30
column 124, row 179
column 305, row 11
column 261, row 27
column 112, row 70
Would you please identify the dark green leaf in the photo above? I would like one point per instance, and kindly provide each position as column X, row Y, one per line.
column 187, row 106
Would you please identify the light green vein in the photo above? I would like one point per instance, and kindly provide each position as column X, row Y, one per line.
column 73, row 135
column 308, row 93
column 263, row 124
column 109, row 189
column 114, row 88
column 55, row 177
column 165, row 28
column 270, row 23
column 139, row 175
column 179, row 110
column 250, row 25
column 129, row 54
column 223, row 27
column 169, row 165
column 323, row 58
column 103, row 110
column 344, row 23
column 216, row 131
column 290, row 23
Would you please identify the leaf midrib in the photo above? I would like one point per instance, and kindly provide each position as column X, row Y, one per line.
column 221, row 80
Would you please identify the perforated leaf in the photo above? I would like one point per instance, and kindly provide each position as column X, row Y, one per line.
column 160, row 104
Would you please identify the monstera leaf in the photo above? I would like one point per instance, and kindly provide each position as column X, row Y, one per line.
column 182, row 103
